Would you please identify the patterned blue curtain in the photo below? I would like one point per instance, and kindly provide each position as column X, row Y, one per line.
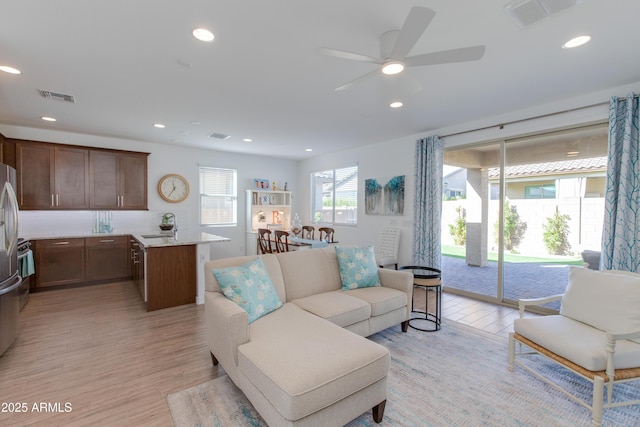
column 427, row 208
column 621, row 230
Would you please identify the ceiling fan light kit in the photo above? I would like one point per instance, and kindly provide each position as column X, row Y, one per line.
column 392, row 67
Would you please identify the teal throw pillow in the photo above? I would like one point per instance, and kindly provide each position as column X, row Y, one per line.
column 358, row 268
column 249, row 286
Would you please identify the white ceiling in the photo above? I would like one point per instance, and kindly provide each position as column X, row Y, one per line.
column 262, row 77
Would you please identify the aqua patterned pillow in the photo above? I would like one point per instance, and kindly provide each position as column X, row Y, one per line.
column 358, row 268
column 249, row 286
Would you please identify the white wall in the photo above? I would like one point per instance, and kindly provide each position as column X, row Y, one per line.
column 163, row 159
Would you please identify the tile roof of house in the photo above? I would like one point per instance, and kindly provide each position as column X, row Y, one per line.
column 547, row 168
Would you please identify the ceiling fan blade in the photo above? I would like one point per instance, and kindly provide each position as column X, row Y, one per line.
column 358, row 80
column 417, row 21
column 472, row 53
column 348, row 55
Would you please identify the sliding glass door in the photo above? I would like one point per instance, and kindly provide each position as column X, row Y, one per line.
column 517, row 214
column 469, row 256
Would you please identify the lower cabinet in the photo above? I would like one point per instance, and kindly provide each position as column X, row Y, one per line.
column 79, row 260
column 137, row 266
column 171, row 276
column 107, row 258
column 59, row 262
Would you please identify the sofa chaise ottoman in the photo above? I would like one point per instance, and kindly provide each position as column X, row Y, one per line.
column 307, row 362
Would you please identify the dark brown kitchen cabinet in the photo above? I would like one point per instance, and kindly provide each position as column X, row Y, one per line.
column 118, row 180
column 171, row 276
column 137, row 266
column 107, row 258
column 59, row 261
column 52, row 176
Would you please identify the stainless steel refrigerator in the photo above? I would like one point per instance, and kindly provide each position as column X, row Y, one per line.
column 10, row 279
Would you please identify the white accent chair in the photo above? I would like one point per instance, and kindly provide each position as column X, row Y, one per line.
column 386, row 249
column 596, row 335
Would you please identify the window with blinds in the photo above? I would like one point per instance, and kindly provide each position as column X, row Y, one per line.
column 218, row 196
column 335, row 196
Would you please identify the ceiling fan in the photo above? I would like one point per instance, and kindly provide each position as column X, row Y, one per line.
column 395, row 46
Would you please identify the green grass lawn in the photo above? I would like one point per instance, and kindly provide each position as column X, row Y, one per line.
column 459, row 252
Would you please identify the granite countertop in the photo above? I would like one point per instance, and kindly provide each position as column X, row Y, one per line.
column 181, row 238
column 186, row 237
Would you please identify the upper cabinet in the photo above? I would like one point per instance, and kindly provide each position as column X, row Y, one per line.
column 53, row 176
column 118, row 180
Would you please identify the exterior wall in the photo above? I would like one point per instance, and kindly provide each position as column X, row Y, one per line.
column 585, row 225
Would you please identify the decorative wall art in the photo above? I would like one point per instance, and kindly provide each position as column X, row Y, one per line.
column 384, row 196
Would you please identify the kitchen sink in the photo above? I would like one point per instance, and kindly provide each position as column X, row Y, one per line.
column 156, row 236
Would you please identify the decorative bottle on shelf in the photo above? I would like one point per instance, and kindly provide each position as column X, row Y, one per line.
column 296, row 225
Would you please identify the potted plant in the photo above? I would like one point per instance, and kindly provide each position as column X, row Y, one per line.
column 167, row 222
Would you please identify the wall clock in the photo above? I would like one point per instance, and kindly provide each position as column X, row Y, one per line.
column 173, row 188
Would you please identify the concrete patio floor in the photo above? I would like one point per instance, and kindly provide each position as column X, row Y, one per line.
column 521, row 280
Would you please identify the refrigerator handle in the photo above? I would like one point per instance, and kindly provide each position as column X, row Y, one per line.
column 12, row 241
column 7, row 289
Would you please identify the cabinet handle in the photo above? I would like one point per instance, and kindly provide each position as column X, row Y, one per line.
column 107, row 241
column 53, row 203
column 61, row 243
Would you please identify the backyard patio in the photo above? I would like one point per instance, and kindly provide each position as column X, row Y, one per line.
column 521, row 279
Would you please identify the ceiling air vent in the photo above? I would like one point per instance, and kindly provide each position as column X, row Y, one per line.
column 221, row 136
column 526, row 12
column 55, row 95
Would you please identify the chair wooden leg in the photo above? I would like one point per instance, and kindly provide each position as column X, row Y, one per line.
column 597, row 404
column 512, row 351
column 214, row 360
column 378, row 411
column 405, row 326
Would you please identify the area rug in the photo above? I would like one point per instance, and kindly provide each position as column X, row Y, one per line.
column 457, row 376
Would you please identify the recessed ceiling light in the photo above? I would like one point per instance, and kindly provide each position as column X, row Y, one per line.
column 9, row 70
column 576, row 41
column 396, row 104
column 308, row 149
column 159, row 125
column 48, row 119
column 392, row 67
column 203, row 35
column 247, row 140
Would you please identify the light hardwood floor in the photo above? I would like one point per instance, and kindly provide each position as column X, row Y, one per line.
column 97, row 349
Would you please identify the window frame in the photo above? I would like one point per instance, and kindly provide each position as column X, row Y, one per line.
column 313, row 199
column 233, row 195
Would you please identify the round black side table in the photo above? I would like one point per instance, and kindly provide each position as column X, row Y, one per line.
column 429, row 279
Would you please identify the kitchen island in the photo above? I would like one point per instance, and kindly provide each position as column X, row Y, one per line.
column 174, row 267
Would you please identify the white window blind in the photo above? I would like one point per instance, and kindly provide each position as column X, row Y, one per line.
column 218, row 196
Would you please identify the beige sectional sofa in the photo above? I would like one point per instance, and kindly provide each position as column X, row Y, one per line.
column 307, row 363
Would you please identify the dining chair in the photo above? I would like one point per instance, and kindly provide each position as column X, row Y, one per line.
column 264, row 241
column 386, row 249
column 308, row 232
column 282, row 241
column 326, row 234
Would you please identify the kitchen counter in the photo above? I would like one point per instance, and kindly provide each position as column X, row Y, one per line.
column 181, row 238
column 170, row 264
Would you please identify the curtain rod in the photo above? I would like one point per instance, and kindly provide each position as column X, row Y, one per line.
column 502, row 125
